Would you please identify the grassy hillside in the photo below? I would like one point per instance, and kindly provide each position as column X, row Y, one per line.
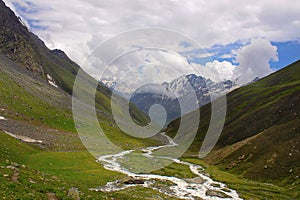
column 26, row 99
column 28, row 172
column 260, row 139
column 35, row 109
column 24, row 48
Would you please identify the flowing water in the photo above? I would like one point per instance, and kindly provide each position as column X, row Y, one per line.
column 202, row 186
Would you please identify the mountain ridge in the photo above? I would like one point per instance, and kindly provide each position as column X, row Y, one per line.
column 198, row 90
column 254, row 113
column 195, row 91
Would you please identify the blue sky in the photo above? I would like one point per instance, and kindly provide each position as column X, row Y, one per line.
column 28, row 11
column 288, row 52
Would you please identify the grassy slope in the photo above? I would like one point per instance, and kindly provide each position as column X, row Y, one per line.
column 267, row 111
column 56, row 172
column 26, row 49
column 26, row 97
column 19, row 104
column 260, row 140
column 39, row 103
column 73, row 168
column 22, row 105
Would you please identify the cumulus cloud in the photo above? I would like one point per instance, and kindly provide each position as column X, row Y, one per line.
column 254, row 60
column 78, row 26
column 218, row 71
column 71, row 24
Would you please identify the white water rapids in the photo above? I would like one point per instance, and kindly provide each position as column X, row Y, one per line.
column 202, row 186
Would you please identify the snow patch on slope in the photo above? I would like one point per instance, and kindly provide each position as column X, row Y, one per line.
column 51, row 81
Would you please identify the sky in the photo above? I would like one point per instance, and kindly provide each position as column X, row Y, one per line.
column 240, row 40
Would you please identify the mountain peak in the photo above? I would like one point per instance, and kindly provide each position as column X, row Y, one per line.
column 60, row 53
column 191, row 76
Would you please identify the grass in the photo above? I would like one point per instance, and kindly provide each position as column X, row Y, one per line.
column 78, row 168
column 251, row 158
column 123, row 140
column 22, row 105
column 57, row 172
column 248, row 189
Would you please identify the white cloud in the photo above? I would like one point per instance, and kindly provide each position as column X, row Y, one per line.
column 72, row 23
column 78, row 26
column 254, row 60
column 219, row 71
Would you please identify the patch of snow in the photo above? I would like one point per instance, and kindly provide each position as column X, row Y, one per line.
column 2, row 118
column 23, row 138
column 51, row 81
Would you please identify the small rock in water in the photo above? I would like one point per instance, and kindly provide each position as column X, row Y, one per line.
column 219, row 194
column 197, row 180
column 191, row 188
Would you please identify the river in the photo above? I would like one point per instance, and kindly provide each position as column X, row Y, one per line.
column 202, row 186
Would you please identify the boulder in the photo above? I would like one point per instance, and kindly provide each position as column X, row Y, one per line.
column 132, row 181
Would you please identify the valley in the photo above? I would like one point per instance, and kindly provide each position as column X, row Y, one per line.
column 42, row 156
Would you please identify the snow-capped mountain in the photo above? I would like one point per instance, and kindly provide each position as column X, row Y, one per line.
column 184, row 84
column 195, row 91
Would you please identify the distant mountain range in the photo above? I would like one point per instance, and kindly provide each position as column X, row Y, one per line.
column 194, row 90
